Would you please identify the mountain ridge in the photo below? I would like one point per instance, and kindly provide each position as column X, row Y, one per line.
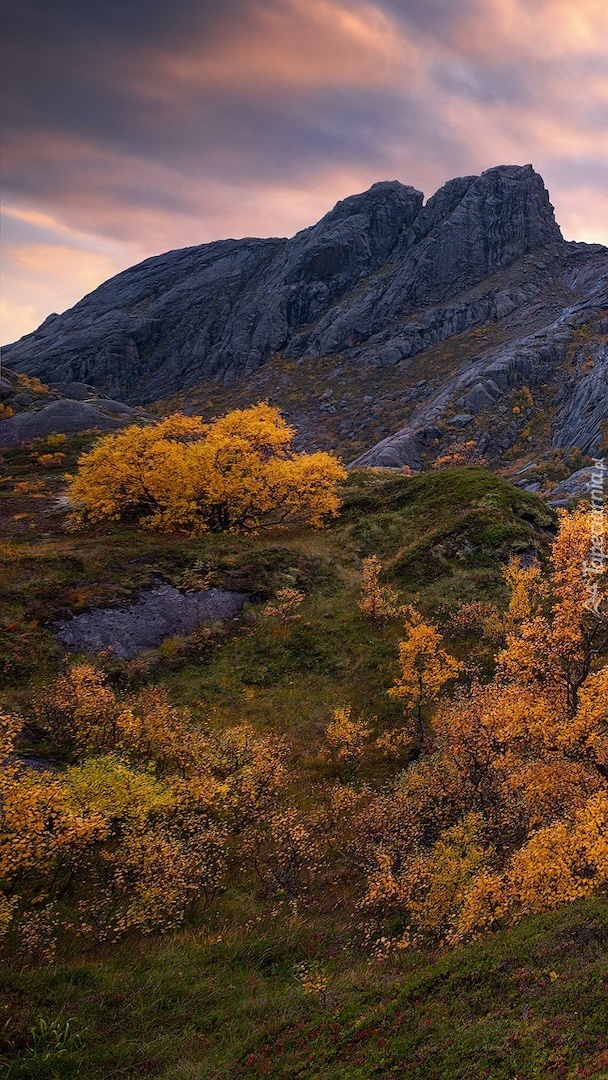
column 381, row 279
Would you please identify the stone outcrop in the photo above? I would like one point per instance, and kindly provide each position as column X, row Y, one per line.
column 575, row 487
column 565, row 363
column 216, row 311
column 35, row 411
column 157, row 614
column 64, row 416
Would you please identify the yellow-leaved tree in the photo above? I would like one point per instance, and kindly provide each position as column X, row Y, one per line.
column 378, row 600
column 425, row 667
column 239, row 471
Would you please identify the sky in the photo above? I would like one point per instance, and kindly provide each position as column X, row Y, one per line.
column 135, row 126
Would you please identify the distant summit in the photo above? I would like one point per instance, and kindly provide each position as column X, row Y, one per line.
column 382, row 279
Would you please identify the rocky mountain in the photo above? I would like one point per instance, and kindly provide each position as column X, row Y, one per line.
column 390, row 329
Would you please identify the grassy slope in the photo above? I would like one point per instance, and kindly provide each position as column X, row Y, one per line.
column 441, row 535
column 528, row 1003
column 223, row 1001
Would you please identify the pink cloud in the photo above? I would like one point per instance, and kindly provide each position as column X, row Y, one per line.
column 40, row 278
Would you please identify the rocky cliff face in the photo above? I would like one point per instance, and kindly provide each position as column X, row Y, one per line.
column 421, row 319
column 217, row 311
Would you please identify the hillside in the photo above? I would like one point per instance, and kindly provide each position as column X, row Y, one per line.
column 528, row 1003
column 389, row 330
column 445, row 532
column 269, row 974
column 332, row 801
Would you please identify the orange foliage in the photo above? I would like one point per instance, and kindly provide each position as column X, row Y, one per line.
column 508, row 813
column 462, row 453
column 133, row 831
column 502, row 811
column 348, row 737
column 377, row 601
column 237, row 472
column 425, row 667
column 50, row 461
column 284, row 606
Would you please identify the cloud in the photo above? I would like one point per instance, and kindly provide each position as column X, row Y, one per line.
column 135, row 126
column 47, row 277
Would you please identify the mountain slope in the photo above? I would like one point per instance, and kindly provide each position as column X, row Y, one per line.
column 366, row 299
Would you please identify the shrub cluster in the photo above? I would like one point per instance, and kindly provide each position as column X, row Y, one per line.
column 502, row 809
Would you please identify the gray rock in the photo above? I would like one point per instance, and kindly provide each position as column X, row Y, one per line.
column 477, row 399
column 220, row 310
column 113, row 408
column 157, row 614
column 460, row 420
column 62, row 416
column 389, row 356
column 36, row 763
column 379, row 280
column 576, row 486
column 22, row 400
column 582, row 404
column 533, row 356
column 404, row 448
column 77, row 391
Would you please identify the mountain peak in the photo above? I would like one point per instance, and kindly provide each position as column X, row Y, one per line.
column 219, row 311
column 393, row 193
column 524, row 199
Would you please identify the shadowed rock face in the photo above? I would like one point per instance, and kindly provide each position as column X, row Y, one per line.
column 575, row 487
column 220, row 310
column 378, row 281
column 35, row 412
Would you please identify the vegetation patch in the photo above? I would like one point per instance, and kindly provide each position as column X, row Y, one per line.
column 317, row 840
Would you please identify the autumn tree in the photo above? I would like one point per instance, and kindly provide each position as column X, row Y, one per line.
column 460, row 453
column 284, row 606
column 348, row 736
column 239, row 471
column 555, row 652
column 378, row 601
column 425, row 668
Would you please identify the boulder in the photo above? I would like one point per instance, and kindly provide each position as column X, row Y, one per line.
column 575, row 487
column 62, row 416
column 460, row 420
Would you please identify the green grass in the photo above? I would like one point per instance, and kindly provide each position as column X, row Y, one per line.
column 437, row 534
column 528, row 1003
column 442, row 537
